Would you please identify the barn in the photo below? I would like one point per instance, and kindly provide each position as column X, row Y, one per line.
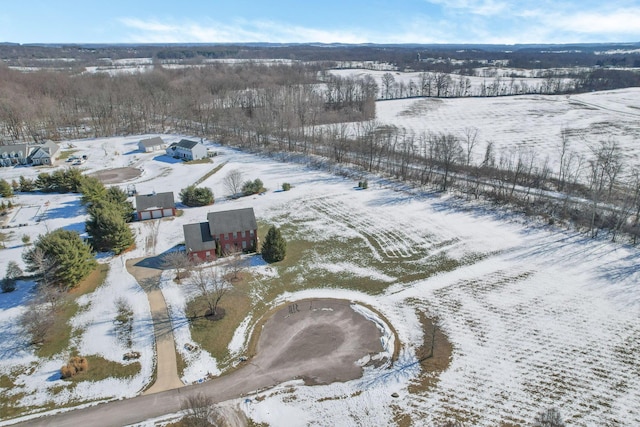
column 155, row 205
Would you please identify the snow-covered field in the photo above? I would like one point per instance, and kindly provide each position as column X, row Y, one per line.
column 537, row 316
column 531, row 122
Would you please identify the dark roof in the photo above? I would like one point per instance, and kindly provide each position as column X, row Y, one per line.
column 185, row 143
column 159, row 200
column 152, row 142
column 230, row 221
column 198, row 238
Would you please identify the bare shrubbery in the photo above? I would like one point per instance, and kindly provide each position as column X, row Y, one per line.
column 200, row 411
column 76, row 365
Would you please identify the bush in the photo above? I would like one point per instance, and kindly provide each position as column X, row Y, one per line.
column 363, row 184
column 7, row 285
column 286, row 186
column 76, row 365
column 193, row 196
column 252, row 187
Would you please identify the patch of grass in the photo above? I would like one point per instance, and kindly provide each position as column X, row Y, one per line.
column 215, row 336
column 210, row 173
column 101, row 368
column 6, row 382
column 199, row 161
column 65, row 154
column 180, row 364
column 9, row 406
column 434, row 362
column 59, row 336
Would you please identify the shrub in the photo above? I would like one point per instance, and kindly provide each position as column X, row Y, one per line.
column 252, row 187
column 193, row 196
column 76, row 364
column 286, row 186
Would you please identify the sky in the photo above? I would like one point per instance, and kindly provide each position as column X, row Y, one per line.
column 326, row 21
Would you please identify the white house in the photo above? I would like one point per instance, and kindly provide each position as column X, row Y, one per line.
column 152, row 144
column 24, row 154
column 187, row 150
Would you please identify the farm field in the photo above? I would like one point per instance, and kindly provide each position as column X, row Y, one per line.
column 532, row 122
column 536, row 316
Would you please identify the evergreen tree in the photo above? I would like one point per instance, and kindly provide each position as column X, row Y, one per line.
column 69, row 256
column 92, row 190
column 193, row 196
column 26, row 184
column 13, row 272
column 274, row 248
column 5, row 189
column 108, row 229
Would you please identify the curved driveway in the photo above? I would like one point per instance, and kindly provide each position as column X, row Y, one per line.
column 318, row 340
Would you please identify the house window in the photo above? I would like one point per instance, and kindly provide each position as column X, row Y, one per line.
column 251, row 233
column 244, row 245
column 208, row 254
column 235, row 234
column 227, row 247
column 226, row 237
column 242, row 234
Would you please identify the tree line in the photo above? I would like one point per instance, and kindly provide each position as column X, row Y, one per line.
column 245, row 100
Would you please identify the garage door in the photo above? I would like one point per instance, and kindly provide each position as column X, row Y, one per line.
column 156, row 214
column 145, row 215
column 167, row 212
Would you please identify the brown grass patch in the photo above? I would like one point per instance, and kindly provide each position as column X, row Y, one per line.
column 432, row 362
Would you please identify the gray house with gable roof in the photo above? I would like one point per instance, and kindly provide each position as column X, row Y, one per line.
column 156, row 205
column 187, row 150
column 222, row 233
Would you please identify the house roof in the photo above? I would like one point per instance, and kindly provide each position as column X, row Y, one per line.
column 230, row 221
column 156, row 200
column 14, row 148
column 186, row 143
column 197, row 237
column 152, row 142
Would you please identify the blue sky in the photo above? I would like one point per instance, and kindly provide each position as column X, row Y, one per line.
column 327, row 21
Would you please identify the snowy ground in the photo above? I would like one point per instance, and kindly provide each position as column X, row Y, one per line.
column 537, row 316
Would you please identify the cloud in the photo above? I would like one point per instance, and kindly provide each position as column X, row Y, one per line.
column 621, row 21
column 211, row 31
column 475, row 7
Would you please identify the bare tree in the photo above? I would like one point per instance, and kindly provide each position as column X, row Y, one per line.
column 200, row 411
column 212, row 288
column 235, row 263
column 180, row 261
column 152, row 228
column 448, row 152
column 233, row 182
column 470, row 139
column 549, row 418
column 388, row 84
column 604, row 167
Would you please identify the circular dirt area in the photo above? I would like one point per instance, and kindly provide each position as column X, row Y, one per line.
column 116, row 175
column 318, row 340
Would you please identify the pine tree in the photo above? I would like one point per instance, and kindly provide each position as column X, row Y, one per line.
column 5, row 189
column 66, row 257
column 108, row 229
column 274, row 248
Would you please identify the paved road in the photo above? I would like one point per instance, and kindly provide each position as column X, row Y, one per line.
column 318, row 341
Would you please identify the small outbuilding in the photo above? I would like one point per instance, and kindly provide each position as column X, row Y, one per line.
column 187, row 150
column 150, row 145
column 223, row 232
column 155, row 205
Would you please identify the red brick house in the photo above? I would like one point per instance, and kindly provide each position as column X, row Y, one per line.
column 224, row 232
